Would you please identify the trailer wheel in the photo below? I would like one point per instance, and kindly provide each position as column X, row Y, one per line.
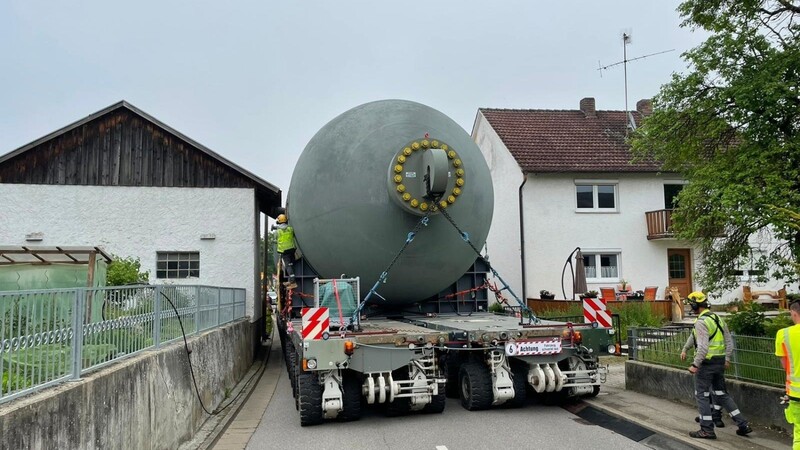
column 436, row 406
column 476, row 386
column 519, row 375
column 595, row 391
column 310, row 398
column 400, row 406
column 451, row 365
column 351, row 397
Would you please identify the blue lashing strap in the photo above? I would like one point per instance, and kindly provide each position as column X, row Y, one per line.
column 356, row 317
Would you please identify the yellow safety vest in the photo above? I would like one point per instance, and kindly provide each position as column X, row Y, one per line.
column 787, row 345
column 285, row 239
column 716, row 339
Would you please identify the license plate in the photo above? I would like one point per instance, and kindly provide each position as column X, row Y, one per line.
column 534, row 347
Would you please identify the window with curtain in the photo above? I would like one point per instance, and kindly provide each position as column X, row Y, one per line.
column 601, row 266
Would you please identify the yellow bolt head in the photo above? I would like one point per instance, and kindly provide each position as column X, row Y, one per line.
column 423, row 206
column 460, row 172
column 414, row 203
column 401, row 188
column 456, row 192
column 451, row 154
column 434, row 144
column 398, row 168
column 444, row 147
column 406, row 197
column 459, row 182
column 443, row 204
column 401, row 159
column 407, row 151
column 426, row 144
column 415, row 146
column 457, row 162
column 451, row 199
column 398, row 178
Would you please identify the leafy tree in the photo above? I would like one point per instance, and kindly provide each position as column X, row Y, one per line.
column 730, row 126
column 126, row 271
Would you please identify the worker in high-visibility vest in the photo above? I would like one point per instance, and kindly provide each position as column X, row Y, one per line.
column 286, row 248
column 712, row 357
column 787, row 346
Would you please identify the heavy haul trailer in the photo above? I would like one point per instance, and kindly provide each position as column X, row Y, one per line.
column 395, row 195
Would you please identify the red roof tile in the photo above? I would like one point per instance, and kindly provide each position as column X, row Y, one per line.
column 567, row 140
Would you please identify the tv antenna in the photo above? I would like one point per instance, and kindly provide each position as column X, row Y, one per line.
column 626, row 39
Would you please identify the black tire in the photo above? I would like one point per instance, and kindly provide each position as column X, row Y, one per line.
column 595, row 391
column 438, row 402
column 476, row 386
column 519, row 375
column 351, row 397
column 555, row 398
column 310, row 398
column 451, row 365
column 400, row 406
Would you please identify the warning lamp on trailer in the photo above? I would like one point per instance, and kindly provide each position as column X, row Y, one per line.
column 349, row 347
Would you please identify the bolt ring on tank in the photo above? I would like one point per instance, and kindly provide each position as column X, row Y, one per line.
column 407, row 185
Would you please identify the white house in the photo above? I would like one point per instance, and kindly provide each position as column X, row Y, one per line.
column 564, row 179
column 123, row 180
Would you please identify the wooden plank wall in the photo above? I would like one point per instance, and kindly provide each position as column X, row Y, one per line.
column 120, row 149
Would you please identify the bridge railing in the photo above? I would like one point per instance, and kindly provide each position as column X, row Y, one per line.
column 54, row 335
column 753, row 357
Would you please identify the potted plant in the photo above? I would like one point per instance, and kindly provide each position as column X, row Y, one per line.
column 623, row 286
column 589, row 294
column 544, row 294
column 638, row 295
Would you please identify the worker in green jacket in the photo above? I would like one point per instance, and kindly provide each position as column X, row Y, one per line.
column 286, row 248
column 787, row 347
column 712, row 357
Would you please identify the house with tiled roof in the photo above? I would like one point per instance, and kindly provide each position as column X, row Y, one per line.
column 565, row 179
column 124, row 180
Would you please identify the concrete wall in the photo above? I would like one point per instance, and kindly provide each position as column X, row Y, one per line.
column 146, row 402
column 759, row 404
column 140, row 221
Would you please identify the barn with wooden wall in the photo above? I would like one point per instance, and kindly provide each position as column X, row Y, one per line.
column 125, row 181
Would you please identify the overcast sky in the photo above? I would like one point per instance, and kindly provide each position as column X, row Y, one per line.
column 254, row 80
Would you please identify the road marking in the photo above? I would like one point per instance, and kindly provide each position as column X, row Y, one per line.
column 441, row 447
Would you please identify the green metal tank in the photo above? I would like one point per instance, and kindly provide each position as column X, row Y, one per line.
column 368, row 177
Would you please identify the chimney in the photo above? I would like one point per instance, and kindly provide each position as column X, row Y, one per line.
column 587, row 106
column 644, row 106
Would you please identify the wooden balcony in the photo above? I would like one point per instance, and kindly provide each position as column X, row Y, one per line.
column 659, row 224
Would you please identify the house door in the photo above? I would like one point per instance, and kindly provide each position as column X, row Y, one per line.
column 680, row 270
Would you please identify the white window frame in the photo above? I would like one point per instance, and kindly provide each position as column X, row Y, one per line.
column 594, row 183
column 604, row 251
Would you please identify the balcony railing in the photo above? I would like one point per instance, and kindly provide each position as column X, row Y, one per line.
column 659, row 224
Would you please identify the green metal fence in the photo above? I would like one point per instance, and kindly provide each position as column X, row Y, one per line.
column 50, row 336
column 753, row 357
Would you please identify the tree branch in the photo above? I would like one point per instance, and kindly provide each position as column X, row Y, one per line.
column 790, row 6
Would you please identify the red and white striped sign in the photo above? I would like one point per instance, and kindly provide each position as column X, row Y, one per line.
column 316, row 321
column 594, row 310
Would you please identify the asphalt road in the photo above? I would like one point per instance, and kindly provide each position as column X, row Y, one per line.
column 534, row 426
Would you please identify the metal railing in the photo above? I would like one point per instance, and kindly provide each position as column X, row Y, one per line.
column 753, row 357
column 38, row 328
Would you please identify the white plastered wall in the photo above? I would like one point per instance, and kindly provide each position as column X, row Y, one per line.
column 503, row 241
column 140, row 221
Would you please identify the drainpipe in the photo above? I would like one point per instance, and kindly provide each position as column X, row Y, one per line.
column 522, row 238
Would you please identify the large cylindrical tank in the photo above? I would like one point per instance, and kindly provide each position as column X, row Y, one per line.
column 359, row 187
